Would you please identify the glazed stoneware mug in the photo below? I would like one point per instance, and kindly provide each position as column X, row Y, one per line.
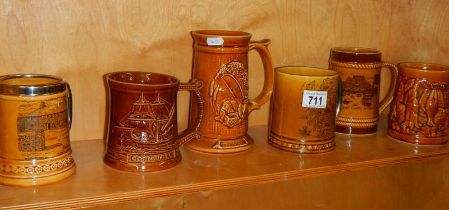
column 303, row 109
column 420, row 110
column 221, row 62
column 360, row 71
column 35, row 118
column 142, row 121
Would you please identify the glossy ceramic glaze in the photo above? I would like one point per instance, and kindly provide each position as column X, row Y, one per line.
column 142, row 129
column 35, row 117
column 221, row 62
column 359, row 70
column 420, row 110
column 299, row 121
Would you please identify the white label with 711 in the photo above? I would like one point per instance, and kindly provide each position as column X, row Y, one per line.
column 314, row 99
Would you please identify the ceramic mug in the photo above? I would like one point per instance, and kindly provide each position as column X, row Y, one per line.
column 303, row 109
column 221, row 62
column 420, row 110
column 359, row 70
column 35, row 118
column 142, row 121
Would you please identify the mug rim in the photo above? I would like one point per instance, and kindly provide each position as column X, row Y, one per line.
column 423, row 66
column 59, row 85
column 296, row 71
column 221, row 33
column 173, row 81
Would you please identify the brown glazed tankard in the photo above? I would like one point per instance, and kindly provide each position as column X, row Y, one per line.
column 221, row 62
column 303, row 109
column 142, row 129
column 35, row 118
column 420, row 110
column 359, row 70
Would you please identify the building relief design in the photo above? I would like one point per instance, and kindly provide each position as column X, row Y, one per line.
column 359, row 93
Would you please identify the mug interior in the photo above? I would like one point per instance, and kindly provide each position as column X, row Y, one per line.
column 142, row 78
column 306, row 71
column 355, row 54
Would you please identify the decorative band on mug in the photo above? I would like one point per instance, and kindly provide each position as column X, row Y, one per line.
column 31, row 84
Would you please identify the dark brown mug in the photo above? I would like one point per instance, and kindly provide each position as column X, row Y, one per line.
column 142, row 125
column 420, row 111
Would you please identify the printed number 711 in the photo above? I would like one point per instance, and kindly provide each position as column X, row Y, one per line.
column 315, row 99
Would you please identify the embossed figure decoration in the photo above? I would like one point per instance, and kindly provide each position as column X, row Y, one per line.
column 35, row 117
column 420, row 110
column 143, row 133
column 359, row 70
column 303, row 109
column 221, row 62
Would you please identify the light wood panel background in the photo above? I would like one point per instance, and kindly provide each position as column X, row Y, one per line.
column 83, row 40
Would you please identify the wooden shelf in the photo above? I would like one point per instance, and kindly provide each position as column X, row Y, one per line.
column 96, row 184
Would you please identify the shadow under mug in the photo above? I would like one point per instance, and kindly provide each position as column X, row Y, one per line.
column 420, row 111
column 142, row 122
column 35, row 119
column 303, row 108
column 360, row 73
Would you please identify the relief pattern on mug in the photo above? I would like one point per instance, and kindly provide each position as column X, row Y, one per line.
column 320, row 120
column 359, row 93
column 148, row 123
column 42, row 128
column 228, row 93
column 421, row 107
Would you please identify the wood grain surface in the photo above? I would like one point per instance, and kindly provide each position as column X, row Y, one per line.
column 82, row 40
column 365, row 172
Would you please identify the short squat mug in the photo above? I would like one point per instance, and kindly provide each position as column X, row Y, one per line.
column 420, row 111
column 142, row 128
column 359, row 70
column 303, row 109
column 35, row 118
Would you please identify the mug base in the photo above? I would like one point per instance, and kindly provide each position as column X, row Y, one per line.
column 292, row 145
column 354, row 130
column 221, row 146
column 143, row 166
column 27, row 182
column 416, row 139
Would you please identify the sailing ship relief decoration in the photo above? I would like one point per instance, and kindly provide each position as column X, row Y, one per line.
column 228, row 94
column 148, row 123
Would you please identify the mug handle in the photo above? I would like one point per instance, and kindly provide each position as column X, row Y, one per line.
column 192, row 132
column 264, row 95
column 69, row 105
column 389, row 96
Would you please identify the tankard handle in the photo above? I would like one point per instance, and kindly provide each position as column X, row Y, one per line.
column 69, row 105
column 193, row 132
column 264, row 95
column 389, row 96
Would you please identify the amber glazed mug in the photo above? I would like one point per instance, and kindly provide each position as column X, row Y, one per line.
column 420, row 110
column 142, row 129
column 221, row 62
column 35, row 118
column 303, row 109
column 359, row 70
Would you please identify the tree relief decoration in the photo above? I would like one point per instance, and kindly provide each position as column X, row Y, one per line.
column 228, row 93
column 320, row 121
column 421, row 107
